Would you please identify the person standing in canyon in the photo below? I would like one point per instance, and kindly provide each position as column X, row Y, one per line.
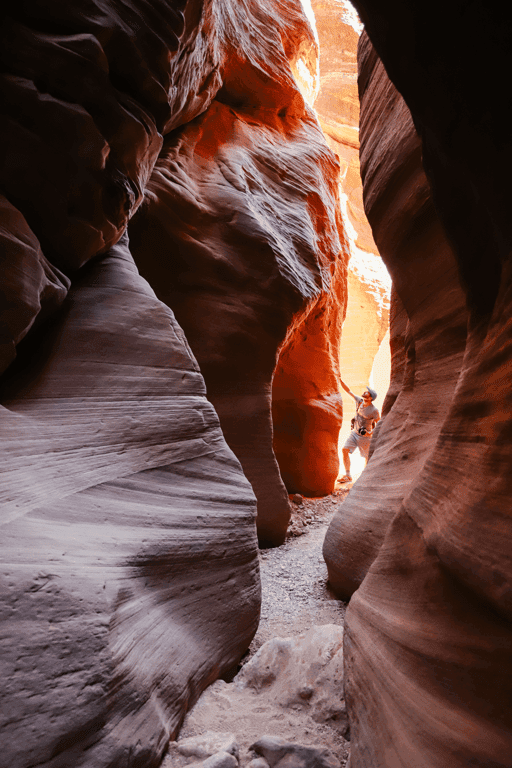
column 367, row 415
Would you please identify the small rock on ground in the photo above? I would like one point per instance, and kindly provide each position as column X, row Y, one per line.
column 282, row 754
column 218, row 760
column 208, row 744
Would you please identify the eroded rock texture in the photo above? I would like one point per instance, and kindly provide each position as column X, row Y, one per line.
column 244, row 242
column 306, row 405
column 129, row 578
column 119, row 498
column 368, row 286
column 428, row 676
column 426, row 349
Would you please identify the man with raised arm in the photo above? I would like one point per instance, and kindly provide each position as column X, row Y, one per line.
column 363, row 424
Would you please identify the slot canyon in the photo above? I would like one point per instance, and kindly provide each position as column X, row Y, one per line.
column 203, row 204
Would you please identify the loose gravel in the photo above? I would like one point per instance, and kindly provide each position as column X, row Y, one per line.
column 295, row 593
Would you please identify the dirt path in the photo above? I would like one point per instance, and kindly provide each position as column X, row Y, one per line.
column 295, row 595
column 295, row 598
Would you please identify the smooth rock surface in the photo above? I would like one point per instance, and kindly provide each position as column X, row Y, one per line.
column 428, row 673
column 426, row 353
column 307, row 408
column 118, row 497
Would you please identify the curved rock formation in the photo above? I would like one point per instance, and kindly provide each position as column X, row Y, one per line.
column 236, row 260
column 119, row 498
column 242, row 243
column 427, row 353
column 428, row 674
column 130, row 571
column 306, row 405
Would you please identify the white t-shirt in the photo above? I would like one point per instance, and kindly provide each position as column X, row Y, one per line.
column 365, row 416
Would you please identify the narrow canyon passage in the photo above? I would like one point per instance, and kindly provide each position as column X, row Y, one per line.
column 299, row 639
column 187, row 279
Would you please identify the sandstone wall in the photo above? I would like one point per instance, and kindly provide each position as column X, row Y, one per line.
column 427, row 351
column 426, row 531
column 116, row 484
column 129, row 550
column 246, row 245
column 238, row 261
column 368, row 289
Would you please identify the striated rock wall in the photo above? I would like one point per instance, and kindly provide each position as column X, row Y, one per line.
column 237, row 260
column 117, row 484
column 368, row 284
column 129, row 550
column 427, row 665
column 426, row 350
column 242, row 243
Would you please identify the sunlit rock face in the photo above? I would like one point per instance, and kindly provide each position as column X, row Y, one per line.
column 337, row 104
column 368, row 284
column 241, row 235
column 427, row 664
column 306, row 404
column 129, row 550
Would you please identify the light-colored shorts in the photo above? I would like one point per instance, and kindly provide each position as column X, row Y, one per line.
column 354, row 440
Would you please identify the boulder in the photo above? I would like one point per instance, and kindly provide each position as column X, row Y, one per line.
column 281, row 754
column 217, row 760
column 303, row 672
column 208, row 744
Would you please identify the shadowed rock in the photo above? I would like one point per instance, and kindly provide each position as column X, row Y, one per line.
column 130, row 576
column 427, row 669
column 117, row 491
column 427, row 348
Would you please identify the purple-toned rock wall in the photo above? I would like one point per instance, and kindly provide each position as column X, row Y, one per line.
column 424, row 539
column 129, row 544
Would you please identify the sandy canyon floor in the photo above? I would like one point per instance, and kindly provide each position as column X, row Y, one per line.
column 285, row 688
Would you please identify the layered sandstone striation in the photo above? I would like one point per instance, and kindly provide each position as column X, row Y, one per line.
column 129, row 548
column 246, row 246
column 368, row 283
column 117, row 483
column 426, row 531
column 407, row 229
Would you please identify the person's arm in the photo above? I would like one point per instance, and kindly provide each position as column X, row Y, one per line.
column 347, row 390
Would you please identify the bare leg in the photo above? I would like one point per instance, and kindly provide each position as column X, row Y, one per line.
column 346, row 461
